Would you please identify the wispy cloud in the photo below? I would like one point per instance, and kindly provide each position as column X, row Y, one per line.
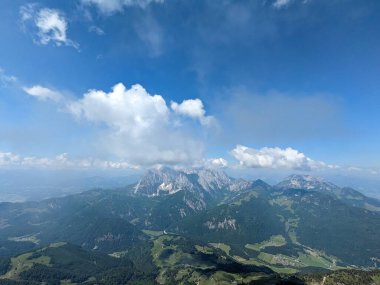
column 50, row 24
column 279, row 4
column 43, row 93
column 151, row 34
column 112, row 6
column 6, row 79
column 96, row 30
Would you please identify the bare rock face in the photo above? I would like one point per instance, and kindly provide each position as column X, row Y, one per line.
column 226, row 224
column 307, row 182
column 166, row 181
column 163, row 181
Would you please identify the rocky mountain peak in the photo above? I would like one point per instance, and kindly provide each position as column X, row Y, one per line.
column 210, row 179
column 162, row 180
column 165, row 180
column 307, row 182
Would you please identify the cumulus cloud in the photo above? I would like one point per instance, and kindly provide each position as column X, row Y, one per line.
column 126, row 110
column 9, row 159
column 140, row 127
column 51, row 25
column 216, row 163
column 111, row 6
column 43, row 93
column 276, row 158
column 194, row 109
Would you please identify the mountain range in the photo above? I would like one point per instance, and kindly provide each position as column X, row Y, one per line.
column 190, row 227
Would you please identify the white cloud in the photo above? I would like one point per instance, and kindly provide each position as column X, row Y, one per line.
column 139, row 126
column 126, row 110
column 111, row 6
column 43, row 93
column 9, row 159
column 276, row 158
column 51, row 25
column 216, row 163
column 192, row 108
column 278, row 4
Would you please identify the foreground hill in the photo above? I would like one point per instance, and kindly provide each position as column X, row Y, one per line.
column 201, row 225
column 165, row 259
column 69, row 264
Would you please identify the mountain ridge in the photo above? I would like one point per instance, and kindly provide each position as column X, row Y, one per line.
column 285, row 229
column 165, row 180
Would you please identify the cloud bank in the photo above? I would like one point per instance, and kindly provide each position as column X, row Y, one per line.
column 276, row 158
column 9, row 159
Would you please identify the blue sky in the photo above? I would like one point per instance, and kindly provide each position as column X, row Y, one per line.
column 287, row 85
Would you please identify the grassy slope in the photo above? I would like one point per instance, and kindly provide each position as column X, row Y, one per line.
column 182, row 261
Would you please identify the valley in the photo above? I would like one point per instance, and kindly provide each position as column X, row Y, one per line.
column 208, row 229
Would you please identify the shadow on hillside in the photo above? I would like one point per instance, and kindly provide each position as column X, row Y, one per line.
column 278, row 281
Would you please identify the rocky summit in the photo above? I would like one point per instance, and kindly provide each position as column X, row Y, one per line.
column 164, row 181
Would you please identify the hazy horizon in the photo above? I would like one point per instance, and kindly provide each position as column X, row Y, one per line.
column 274, row 85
